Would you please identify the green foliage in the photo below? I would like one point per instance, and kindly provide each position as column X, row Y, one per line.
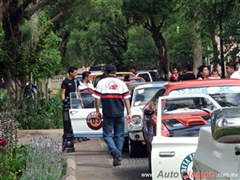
column 45, row 114
column 141, row 52
column 11, row 166
column 3, row 98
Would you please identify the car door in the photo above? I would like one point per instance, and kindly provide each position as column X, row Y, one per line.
column 83, row 120
column 172, row 157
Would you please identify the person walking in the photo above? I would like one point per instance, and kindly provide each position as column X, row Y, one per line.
column 188, row 75
column 70, row 84
column 112, row 91
column 232, row 70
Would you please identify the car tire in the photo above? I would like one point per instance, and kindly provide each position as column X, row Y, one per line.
column 135, row 148
column 149, row 162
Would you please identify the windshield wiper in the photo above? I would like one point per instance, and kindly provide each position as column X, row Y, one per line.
column 225, row 104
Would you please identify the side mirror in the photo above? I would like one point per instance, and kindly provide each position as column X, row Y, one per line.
column 148, row 112
column 225, row 124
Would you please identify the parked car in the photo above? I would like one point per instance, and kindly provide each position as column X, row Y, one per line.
column 133, row 80
column 148, row 75
column 224, row 91
column 140, row 95
column 96, row 77
column 217, row 155
column 172, row 139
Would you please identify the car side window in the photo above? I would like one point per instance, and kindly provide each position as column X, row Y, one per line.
column 87, row 98
column 145, row 76
column 155, row 100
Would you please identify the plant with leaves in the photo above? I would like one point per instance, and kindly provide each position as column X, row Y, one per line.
column 12, row 157
column 153, row 16
column 46, row 114
column 212, row 17
column 45, row 160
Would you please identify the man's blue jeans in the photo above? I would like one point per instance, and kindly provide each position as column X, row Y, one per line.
column 113, row 134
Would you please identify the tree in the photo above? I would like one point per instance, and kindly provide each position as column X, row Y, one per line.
column 23, row 55
column 212, row 15
column 152, row 14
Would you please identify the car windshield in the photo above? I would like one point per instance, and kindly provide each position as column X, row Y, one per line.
column 188, row 105
column 153, row 74
column 226, row 96
column 143, row 95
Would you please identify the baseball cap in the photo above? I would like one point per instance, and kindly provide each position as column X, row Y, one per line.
column 111, row 68
column 238, row 54
column 132, row 70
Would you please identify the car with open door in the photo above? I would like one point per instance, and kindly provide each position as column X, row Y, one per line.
column 170, row 127
column 224, row 91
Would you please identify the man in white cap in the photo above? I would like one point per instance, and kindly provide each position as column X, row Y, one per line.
column 238, row 61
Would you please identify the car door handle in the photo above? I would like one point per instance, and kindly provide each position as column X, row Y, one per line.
column 73, row 112
column 167, row 154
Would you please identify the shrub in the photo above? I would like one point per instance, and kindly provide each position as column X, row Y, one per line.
column 45, row 160
column 43, row 114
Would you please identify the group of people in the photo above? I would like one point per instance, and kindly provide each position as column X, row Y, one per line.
column 113, row 93
column 232, row 69
column 71, row 84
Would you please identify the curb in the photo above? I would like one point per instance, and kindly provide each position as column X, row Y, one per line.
column 25, row 135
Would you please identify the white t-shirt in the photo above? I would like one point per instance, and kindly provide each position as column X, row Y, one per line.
column 86, row 88
column 235, row 75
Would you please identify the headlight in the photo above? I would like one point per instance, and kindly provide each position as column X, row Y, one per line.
column 136, row 120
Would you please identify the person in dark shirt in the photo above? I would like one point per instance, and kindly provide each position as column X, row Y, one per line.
column 188, row 75
column 127, row 77
column 70, row 84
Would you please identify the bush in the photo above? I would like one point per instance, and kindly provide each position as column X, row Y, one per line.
column 44, row 114
column 45, row 160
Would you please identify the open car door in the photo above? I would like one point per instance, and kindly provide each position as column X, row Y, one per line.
column 172, row 156
column 83, row 120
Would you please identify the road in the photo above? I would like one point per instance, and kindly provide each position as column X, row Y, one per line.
column 94, row 163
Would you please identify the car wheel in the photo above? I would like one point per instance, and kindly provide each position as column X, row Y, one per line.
column 135, row 148
column 149, row 162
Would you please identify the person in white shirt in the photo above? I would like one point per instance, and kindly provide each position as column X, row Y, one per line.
column 231, row 70
column 238, row 61
column 85, row 84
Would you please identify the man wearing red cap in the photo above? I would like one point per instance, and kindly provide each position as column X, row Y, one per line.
column 133, row 71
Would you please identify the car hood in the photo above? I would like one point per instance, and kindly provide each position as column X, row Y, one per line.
column 186, row 125
column 138, row 110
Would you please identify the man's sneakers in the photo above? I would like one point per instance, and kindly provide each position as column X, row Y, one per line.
column 116, row 159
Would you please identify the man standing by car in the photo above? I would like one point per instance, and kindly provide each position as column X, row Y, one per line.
column 70, row 84
column 112, row 91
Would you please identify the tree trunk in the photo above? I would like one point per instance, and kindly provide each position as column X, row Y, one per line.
column 197, row 52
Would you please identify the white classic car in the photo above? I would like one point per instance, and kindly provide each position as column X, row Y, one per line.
column 140, row 95
column 171, row 155
column 85, row 123
column 217, row 155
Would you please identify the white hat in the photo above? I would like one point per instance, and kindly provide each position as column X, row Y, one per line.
column 238, row 54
